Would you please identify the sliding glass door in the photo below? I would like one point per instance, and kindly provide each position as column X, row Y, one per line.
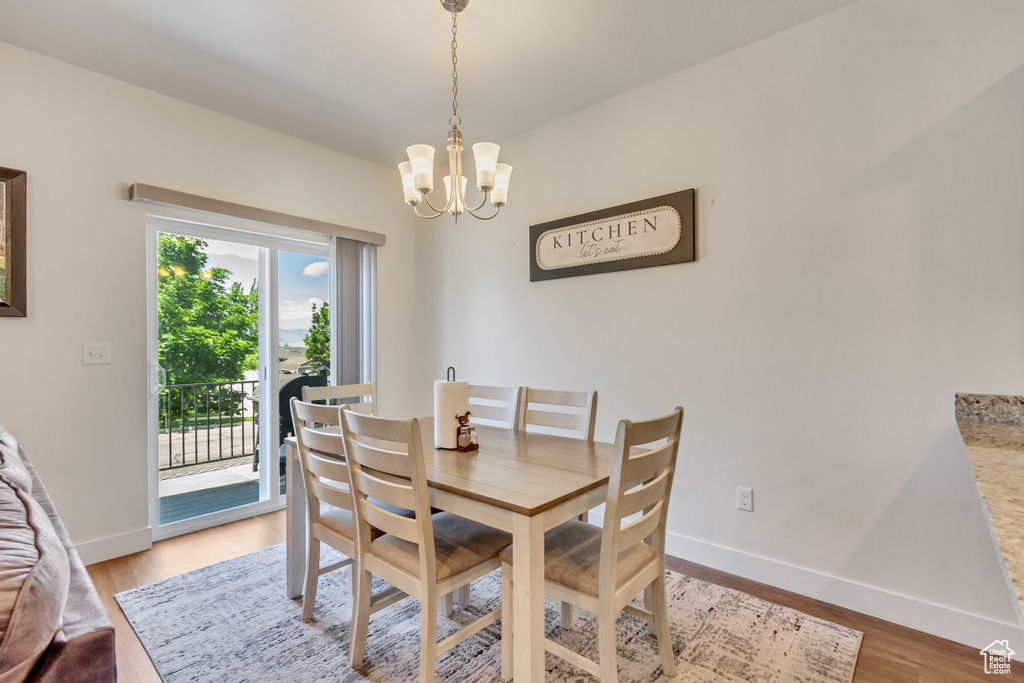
column 237, row 320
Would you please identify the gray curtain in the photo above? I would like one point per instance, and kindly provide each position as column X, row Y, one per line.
column 352, row 311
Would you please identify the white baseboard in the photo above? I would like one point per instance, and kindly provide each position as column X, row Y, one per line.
column 920, row 615
column 102, row 549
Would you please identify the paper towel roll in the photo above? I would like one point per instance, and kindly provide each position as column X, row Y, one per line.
column 450, row 399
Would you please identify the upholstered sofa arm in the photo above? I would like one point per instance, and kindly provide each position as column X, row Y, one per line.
column 84, row 650
column 53, row 624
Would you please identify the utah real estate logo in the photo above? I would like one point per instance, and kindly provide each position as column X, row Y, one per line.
column 997, row 657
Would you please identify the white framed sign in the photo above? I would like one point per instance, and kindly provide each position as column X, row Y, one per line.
column 650, row 232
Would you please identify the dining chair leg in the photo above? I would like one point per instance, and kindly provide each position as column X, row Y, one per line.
column 649, row 606
column 428, row 637
column 606, row 648
column 567, row 615
column 360, row 618
column 668, row 658
column 506, row 622
column 446, row 604
column 462, row 596
column 312, row 575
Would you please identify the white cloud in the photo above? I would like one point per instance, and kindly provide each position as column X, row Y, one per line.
column 295, row 315
column 316, row 268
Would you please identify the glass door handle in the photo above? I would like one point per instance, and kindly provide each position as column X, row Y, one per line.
column 157, row 378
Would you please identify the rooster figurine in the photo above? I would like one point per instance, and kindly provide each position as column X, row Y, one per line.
column 466, row 434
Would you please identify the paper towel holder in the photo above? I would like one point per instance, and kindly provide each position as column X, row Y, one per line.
column 450, row 375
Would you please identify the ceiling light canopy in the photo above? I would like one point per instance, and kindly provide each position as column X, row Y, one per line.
column 492, row 177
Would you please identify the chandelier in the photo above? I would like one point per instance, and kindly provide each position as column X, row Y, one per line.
column 418, row 172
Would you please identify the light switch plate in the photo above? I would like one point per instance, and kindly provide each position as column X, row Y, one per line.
column 95, row 354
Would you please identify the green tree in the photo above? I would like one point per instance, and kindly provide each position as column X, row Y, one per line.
column 208, row 329
column 318, row 339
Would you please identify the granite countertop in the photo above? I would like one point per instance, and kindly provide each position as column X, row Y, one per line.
column 996, row 451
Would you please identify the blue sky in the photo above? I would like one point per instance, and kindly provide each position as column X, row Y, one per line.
column 302, row 279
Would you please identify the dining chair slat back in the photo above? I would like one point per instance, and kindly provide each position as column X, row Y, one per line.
column 326, row 480
column 317, row 415
column 580, row 423
column 388, row 451
column 497, row 406
column 640, row 483
column 341, row 394
column 386, row 465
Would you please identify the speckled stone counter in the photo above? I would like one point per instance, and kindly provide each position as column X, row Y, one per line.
column 993, row 431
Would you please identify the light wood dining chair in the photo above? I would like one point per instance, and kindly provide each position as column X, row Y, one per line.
column 579, row 422
column 495, row 406
column 424, row 556
column 339, row 394
column 498, row 406
column 601, row 570
column 330, row 507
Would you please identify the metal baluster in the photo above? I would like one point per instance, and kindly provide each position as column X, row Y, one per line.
column 231, row 419
column 195, row 422
column 181, row 395
column 231, row 393
column 255, row 422
column 220, row 421
column 170, row 432
column 209, row 455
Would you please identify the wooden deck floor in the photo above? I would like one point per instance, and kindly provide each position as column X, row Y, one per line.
column 180, row 448
column 191, row 504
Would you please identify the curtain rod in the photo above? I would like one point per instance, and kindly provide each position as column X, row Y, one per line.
column 150, row 194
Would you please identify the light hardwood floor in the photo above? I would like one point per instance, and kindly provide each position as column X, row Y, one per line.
column 890, row 653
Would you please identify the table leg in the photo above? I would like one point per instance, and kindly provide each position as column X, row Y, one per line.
column 528, row 599
column 295, row 524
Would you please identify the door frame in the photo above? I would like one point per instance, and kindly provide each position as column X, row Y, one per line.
column 269, row 247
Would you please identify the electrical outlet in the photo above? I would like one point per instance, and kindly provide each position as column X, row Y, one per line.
column 744, row 498
column 95, row 354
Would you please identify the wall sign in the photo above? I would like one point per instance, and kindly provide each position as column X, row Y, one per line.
column 650, row 232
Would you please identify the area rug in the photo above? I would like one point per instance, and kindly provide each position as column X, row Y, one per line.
column 231, row 623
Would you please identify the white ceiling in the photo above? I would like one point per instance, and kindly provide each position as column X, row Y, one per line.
column 371, row 78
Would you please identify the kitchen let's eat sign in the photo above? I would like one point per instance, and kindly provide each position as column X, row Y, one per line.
column 650, row 232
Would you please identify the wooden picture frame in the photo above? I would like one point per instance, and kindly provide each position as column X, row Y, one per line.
column 13, row 297
column 651, row 232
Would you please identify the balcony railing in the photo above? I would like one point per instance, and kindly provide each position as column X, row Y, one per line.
column 204, row 423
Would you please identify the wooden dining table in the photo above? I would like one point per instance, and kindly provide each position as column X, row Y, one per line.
column 520, row 482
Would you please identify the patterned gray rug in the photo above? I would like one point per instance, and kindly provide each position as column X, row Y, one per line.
column 231, row 623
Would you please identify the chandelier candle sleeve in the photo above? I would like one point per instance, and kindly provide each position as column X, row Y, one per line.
column 499, row 195
column 485, row 155
column 412, row 197
column 421, row 158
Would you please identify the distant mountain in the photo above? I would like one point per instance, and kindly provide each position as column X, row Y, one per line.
column 292, row 337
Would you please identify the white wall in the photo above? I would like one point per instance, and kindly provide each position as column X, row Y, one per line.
column 83, row 138
column 860, row 186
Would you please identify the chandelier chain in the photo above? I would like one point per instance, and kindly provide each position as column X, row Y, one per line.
column 455, row 120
